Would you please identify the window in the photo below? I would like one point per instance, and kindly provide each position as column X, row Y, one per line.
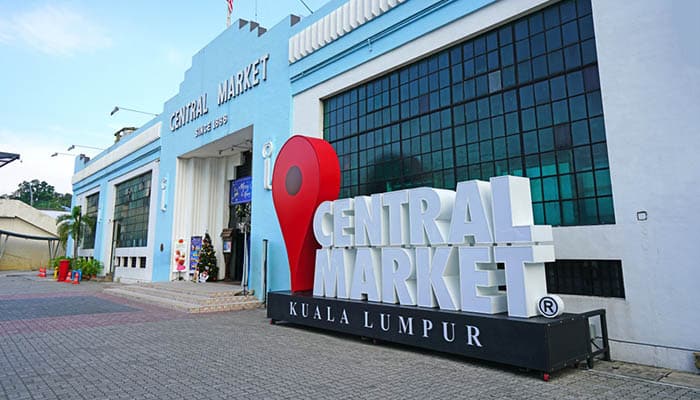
column 586, row 277
column 91, row 207
column 522, row 100
column 132, row 203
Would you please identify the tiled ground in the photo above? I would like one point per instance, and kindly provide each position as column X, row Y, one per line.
column 52, row 307
column 133, row 351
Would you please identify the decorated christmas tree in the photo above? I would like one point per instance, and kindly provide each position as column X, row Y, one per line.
column 207, row 259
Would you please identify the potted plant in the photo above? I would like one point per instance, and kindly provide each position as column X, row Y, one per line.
column 243, row 216
column 90, row 268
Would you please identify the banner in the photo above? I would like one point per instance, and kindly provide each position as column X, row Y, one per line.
column 195, row 247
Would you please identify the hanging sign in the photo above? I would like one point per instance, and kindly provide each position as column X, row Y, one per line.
column 241, row 190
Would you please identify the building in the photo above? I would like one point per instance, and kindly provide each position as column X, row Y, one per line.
column 28, row 237
column 590, row 99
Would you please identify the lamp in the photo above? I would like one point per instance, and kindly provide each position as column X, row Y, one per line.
column 62, row 154
column 117, row 108
column 87, row 147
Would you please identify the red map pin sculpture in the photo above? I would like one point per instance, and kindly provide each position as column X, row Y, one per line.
column 306, row 173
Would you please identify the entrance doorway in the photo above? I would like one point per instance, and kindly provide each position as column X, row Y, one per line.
column 239, row 225
column 201, row 202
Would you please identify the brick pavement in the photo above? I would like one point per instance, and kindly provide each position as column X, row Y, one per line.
column 152, row 353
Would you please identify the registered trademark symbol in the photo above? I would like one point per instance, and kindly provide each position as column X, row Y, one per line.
column 550, row 306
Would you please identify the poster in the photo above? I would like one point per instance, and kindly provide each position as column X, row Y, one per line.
column 180, row 256
column 195, row 247
column 227, row 245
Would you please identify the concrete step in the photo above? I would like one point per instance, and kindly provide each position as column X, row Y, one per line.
column 191, row 297
column 209, row 289
column 183, row 304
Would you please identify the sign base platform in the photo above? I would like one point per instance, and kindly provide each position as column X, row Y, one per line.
column 538, row 343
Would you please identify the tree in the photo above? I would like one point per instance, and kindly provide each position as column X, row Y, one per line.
column 207, row 259
column 40, row 194
column 75, row 225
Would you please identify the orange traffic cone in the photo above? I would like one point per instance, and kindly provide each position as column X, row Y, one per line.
column 42, row 272
column 70, row 274
column 75, row 278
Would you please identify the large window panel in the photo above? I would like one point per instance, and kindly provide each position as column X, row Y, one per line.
column 91, row 208
column 521, row 99
column 131, row 209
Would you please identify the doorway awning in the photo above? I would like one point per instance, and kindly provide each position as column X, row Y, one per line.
column 6, row 158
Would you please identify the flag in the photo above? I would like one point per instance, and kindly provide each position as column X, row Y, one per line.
column 230, row 6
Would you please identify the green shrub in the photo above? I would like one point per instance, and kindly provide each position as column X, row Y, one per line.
column 91, row 267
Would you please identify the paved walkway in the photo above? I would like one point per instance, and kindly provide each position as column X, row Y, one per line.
column 61, row 341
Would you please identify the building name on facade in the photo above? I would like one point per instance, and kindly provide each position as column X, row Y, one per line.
column 245, row 79
column 242, row 81
column 188, row 113
column 436, row 248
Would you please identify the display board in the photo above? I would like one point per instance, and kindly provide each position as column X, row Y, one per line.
column 195, row 247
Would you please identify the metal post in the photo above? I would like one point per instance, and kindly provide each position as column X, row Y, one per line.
column 264, row 271
column 3, row 244
column 245, row 262
column 112, row 256
column 604, row 332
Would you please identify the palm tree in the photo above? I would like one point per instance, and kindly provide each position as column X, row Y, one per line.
column 75, row 225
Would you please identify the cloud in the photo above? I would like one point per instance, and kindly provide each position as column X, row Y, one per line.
column 53, row 30
column 36, row 162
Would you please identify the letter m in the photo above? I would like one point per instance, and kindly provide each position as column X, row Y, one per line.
column 223, row 92
column 331, row 275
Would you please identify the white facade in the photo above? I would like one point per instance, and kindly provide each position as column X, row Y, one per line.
column 650, row 74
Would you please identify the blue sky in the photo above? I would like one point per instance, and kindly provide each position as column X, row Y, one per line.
column 64, row 65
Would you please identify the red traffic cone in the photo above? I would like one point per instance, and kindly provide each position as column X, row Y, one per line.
column 75, row 278
column 68, row 278
column 42, row 272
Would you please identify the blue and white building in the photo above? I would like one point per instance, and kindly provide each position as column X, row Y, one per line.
column 590, row 99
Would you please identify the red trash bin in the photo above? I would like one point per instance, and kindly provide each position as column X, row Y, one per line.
column 63, row 267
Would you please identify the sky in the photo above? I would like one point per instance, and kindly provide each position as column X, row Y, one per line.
column 65, row 64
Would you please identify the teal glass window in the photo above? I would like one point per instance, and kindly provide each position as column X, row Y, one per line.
column 131, row 208
column 91, row 207
column 522, row 99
